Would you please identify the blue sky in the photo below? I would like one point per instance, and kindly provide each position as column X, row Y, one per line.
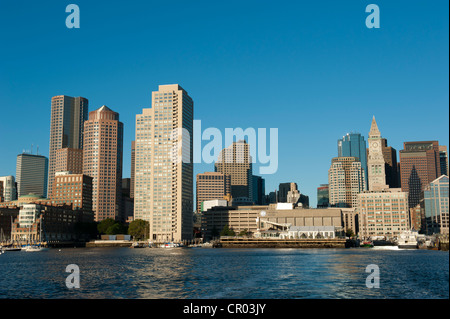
column 312, row 69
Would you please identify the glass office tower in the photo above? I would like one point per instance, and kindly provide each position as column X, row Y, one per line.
column 354, row 145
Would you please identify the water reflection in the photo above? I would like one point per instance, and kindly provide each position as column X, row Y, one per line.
column 114, row 273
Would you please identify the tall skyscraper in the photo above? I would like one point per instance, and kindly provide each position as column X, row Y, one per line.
column 375, row 161
column 391, row 164
column 9, row 188
column 163, row 187
column 102, row 160
column 66, row 128
column 210, row 186
column 346, row 179
column 419, row 166
column 354, row 145
column 236, row 161
column 434, row 206
column 31, row 174
column 133, row 165
column 259, row 190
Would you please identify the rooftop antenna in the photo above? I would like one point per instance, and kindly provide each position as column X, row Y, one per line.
column 37, row 151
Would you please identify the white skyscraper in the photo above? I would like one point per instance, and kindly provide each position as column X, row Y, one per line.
column 163, row 187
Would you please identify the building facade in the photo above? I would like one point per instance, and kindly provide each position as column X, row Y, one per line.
column 236, row 161
column 354, row 145
column 434, row 206
column 346, row 179
column 210, row 186
column 163, row 187
column 133, row 164
column 323, row 197
column 68, row 115
column 31, row 174
column 102, row 160
column 419, row 166
column 259, row 190
column 383, row 213
column 69, row 160
column 73, row 190
column 9, row 192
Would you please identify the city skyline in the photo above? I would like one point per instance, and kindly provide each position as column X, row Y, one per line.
column 277, row 58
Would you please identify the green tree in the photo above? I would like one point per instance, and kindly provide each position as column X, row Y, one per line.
column 116, row 228
column 139, row 229
column 226, row 231
column 244, row 232
column 103, row 226
column 349, row 233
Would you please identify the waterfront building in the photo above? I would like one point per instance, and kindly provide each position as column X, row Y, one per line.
column 419, row 166
column 350, row 220
column 383, row 213
column 50, row 224
column 66, row 129
column 256, row 218
column 68, row 160
column 345, row 181
column 163, row 187
column 9, row 192
column 415, row 215
column 323, row 197
column 236, row 161
column 73, row 190
column 31, row 174
column 7, row 216
column 211, row 186
column 354, row 145
column 434, row 206
column 102, row 160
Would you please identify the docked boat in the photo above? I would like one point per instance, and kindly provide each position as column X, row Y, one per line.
column 35, row 248
column 408, row 240
column 366, row 244
column 10, row 248
column 170, row 245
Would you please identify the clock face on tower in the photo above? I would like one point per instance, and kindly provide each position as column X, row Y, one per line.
column 374, row 145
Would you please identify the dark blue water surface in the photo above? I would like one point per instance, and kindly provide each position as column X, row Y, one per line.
column 205, row 273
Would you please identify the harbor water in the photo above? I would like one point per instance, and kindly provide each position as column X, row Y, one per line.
column 206, row 273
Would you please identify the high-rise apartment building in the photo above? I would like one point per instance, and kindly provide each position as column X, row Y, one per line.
column 133, row 165
column 354, row 145
column 73, row 189
column 375, row 160
column 9, row 188
column 102, row 160
column 383, row 213
column 66, row 128
column 236, row 161
column 210, row 186
column 163, row 186
column 31, row 174
column 434, row 205
column 346, row 179
column 419, row 166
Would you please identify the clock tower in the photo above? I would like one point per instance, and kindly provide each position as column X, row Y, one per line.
column 375, row 159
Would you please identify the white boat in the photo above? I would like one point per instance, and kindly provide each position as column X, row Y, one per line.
column 408, row 240
column 169, row 245
column 35, row 248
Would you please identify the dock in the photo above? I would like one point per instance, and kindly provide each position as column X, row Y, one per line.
column 280, row 243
